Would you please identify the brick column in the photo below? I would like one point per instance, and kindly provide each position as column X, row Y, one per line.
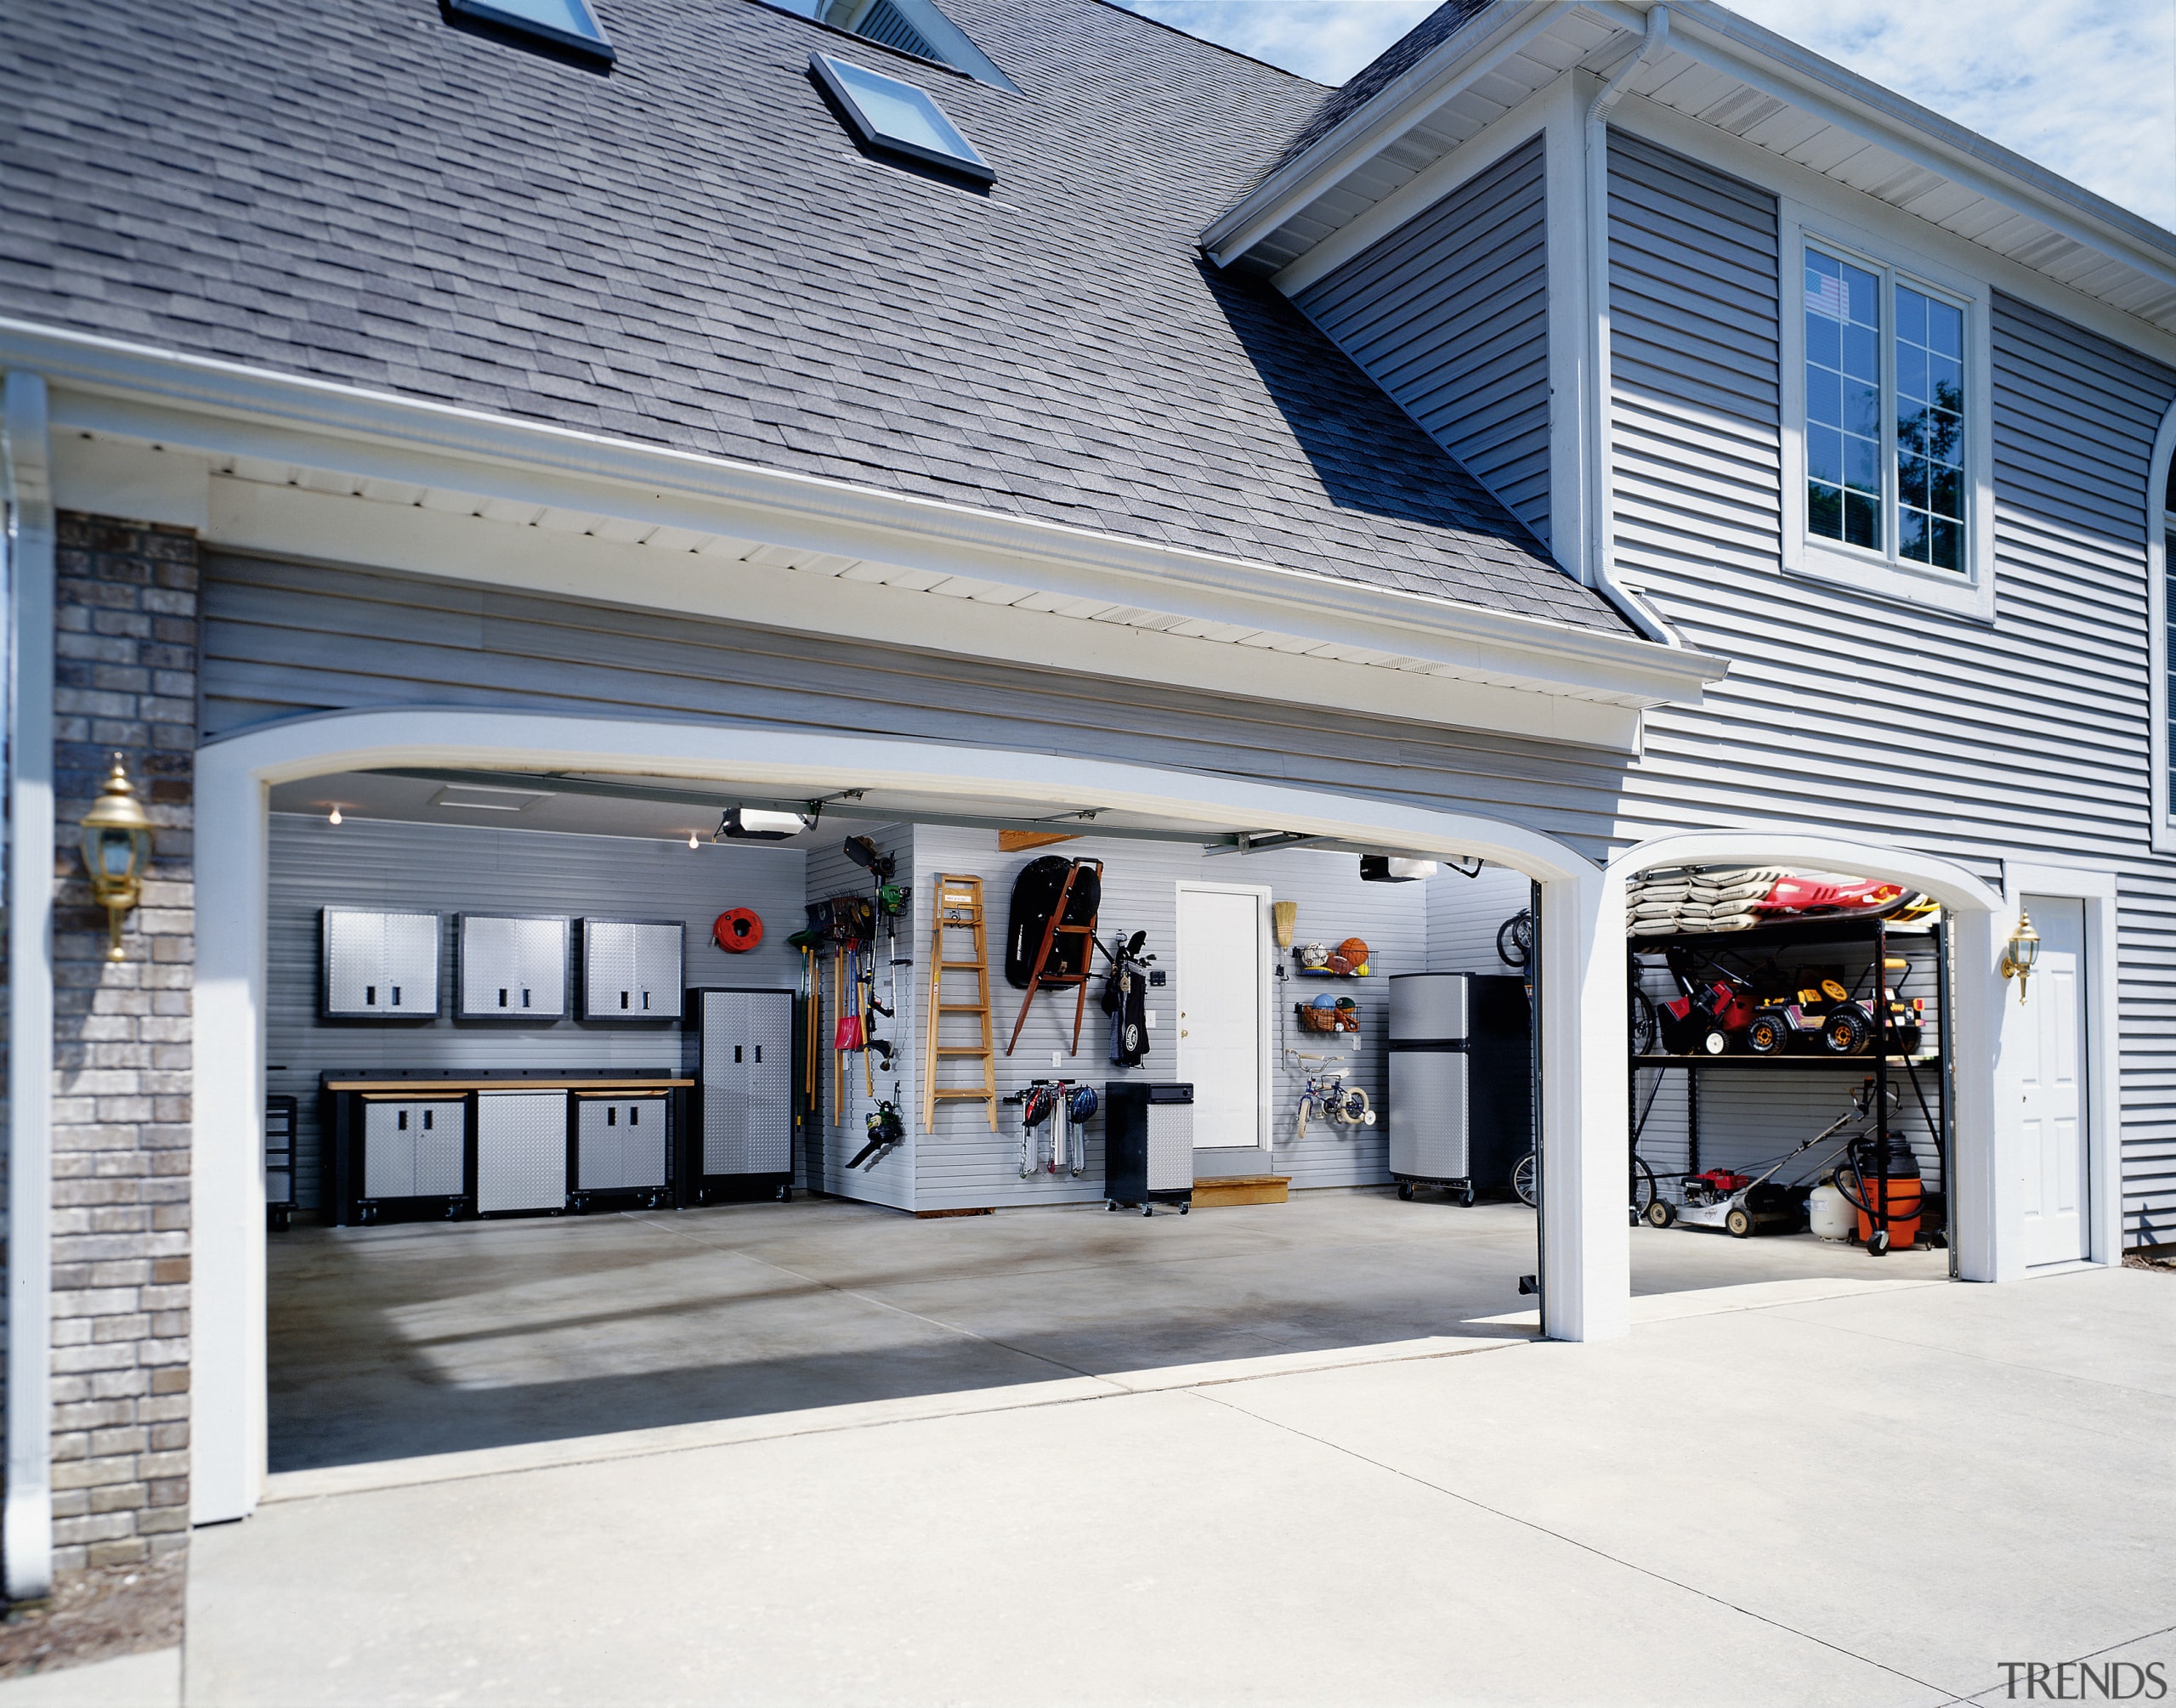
column 125, row 682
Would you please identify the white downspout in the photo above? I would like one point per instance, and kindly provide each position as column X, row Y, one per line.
column 1601, row 512
column 26, row 1519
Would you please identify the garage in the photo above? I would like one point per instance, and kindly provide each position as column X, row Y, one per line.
column 873, row 1221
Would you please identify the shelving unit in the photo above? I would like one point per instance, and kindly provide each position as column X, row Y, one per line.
column 1879, row 1063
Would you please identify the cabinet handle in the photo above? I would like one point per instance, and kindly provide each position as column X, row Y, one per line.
column 759, row 1055
column 736, row 1052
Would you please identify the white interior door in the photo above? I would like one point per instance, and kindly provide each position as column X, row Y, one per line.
column 2053, row 1080
column 1221, row 1010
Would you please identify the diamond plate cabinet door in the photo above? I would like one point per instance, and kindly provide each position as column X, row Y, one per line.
column 631, row 968
column 521, row 1150
column 513, row 968
column 380, row 965
column 620, row 1144
column 414, row 1149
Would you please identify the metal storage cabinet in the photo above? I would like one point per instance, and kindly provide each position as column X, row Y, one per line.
column 511, row 968
column 521, row 1150
column 620, row 1147
column 745, row 1091
column 1147, row 1143
column 281, row 1123
column 380, row 965
column 631, row 968
column 413, row 1149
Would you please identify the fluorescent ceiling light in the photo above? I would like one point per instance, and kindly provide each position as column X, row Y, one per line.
column 478, row 798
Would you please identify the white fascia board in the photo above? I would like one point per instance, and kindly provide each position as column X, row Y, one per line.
column 251, row 516
column 167, row 398
column 1467, row 54
column 1781, row 68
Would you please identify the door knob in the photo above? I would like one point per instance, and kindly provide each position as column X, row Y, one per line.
column 1183, row 1032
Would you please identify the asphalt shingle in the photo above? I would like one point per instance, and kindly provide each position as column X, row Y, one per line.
column 691, row 252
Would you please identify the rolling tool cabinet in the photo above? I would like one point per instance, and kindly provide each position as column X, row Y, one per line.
column 622, row 1148
column 1148, row 1144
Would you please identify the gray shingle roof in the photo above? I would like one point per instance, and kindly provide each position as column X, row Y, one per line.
column 690, row 251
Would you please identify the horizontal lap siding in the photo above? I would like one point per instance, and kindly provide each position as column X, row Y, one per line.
column 1449, row 315
column 2024, row 741
column 283, row 639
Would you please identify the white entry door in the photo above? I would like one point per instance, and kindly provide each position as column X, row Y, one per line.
column 2054, row 1079
column 1222, row 1006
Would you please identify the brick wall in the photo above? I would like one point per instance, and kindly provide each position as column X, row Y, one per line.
column 125, row 681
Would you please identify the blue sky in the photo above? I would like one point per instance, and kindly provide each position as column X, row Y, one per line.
column 2085, row 88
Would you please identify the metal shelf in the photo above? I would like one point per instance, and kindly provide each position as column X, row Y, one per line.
column 1728, row 1060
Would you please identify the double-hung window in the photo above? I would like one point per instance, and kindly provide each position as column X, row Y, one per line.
column 1890, row 465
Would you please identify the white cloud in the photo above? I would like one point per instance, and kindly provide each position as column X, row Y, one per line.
column 2085, row 88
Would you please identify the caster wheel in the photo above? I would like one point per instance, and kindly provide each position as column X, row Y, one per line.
column 1635, row 1212
column 1183, row 1208
column 1466, row 1197
column 785, row 1195
column 1405, row 1192
column 1740, row 1224
column 1878, row 1242
column 1147, row 1209
column 1936, row 1242
column 1661, row 1213
column 1112, row 1205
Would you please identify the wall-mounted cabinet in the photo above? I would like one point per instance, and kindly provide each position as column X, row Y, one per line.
column 380, row 965
column 631, row 968
column 513, row 968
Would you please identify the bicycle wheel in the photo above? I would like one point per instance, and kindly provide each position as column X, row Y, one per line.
column 1525, row 1180
column 1353, row 1109
column 1645, row 1026
column 1643, row 1186
column 1514, row 939
column 1300, row 1120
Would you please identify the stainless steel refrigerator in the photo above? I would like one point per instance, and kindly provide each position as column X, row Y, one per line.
column 1461, row 1094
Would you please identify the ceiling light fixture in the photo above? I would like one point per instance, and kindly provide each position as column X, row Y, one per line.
column 334, row 816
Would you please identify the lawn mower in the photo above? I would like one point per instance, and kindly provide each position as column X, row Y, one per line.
column 1742, row 1204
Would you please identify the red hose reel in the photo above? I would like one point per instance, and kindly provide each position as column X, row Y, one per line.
column 737, row 930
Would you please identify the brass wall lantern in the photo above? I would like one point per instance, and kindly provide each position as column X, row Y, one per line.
column 2023, row 951
column 116, row 852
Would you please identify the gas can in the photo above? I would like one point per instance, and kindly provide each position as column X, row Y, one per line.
column 1828, row 1213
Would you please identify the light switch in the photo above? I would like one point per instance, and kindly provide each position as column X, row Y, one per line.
column 1148, row 1018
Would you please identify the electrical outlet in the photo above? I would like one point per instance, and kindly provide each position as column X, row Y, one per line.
column 1057, row 1058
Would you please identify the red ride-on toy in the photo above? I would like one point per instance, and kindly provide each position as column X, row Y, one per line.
column 1713, row 1006
column 1823, row 1016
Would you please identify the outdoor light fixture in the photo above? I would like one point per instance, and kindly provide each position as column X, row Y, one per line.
column 759, row 824
column 2023, row 951
column 116, row 851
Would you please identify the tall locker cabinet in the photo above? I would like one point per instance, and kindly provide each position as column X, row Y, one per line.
column 743, row 1096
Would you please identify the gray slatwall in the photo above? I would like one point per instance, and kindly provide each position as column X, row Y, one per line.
column 834, row 1141
column 1449, row 315
column 2028, row 740
column 1464, row 914
column 963, row 1164
column 450, row 868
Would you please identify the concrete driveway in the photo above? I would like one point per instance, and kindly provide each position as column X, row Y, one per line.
column 1764, row 1495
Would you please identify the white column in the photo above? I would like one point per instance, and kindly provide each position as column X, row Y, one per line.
column 227, row 1433
column 27, row 1522
column 1586, row 1249
column 1989, row 1222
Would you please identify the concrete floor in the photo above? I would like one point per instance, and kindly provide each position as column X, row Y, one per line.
column 392, row 1342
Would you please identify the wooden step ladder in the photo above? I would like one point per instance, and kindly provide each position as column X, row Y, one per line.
column 1041, row 979
column 959, row 908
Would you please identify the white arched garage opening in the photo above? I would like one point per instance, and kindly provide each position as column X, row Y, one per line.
column 1985, row 1185
column 1585, row 1245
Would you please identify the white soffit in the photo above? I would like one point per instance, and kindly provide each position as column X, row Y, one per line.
column 1724, row 71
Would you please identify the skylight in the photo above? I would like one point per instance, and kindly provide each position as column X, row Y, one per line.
column 919, row 27
column 888, row 114
column 566, row 23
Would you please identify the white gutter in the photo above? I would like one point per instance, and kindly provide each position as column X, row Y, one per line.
column 1602, row 514
column 26, row 1518
column 166, row 396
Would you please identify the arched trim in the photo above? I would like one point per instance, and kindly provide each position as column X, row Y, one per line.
column 1817, row 848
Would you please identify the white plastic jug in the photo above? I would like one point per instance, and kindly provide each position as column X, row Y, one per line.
column 1827, row 1213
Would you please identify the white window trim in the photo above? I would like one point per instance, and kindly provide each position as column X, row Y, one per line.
column 2160, row 525
column 1972, row 593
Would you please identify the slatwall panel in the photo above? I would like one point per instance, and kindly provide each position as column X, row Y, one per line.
column 964, row 1164
column 2027, row 741
column 373, row 863
column 1464, row 915
column 1449, row 315
column 834, row 1141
